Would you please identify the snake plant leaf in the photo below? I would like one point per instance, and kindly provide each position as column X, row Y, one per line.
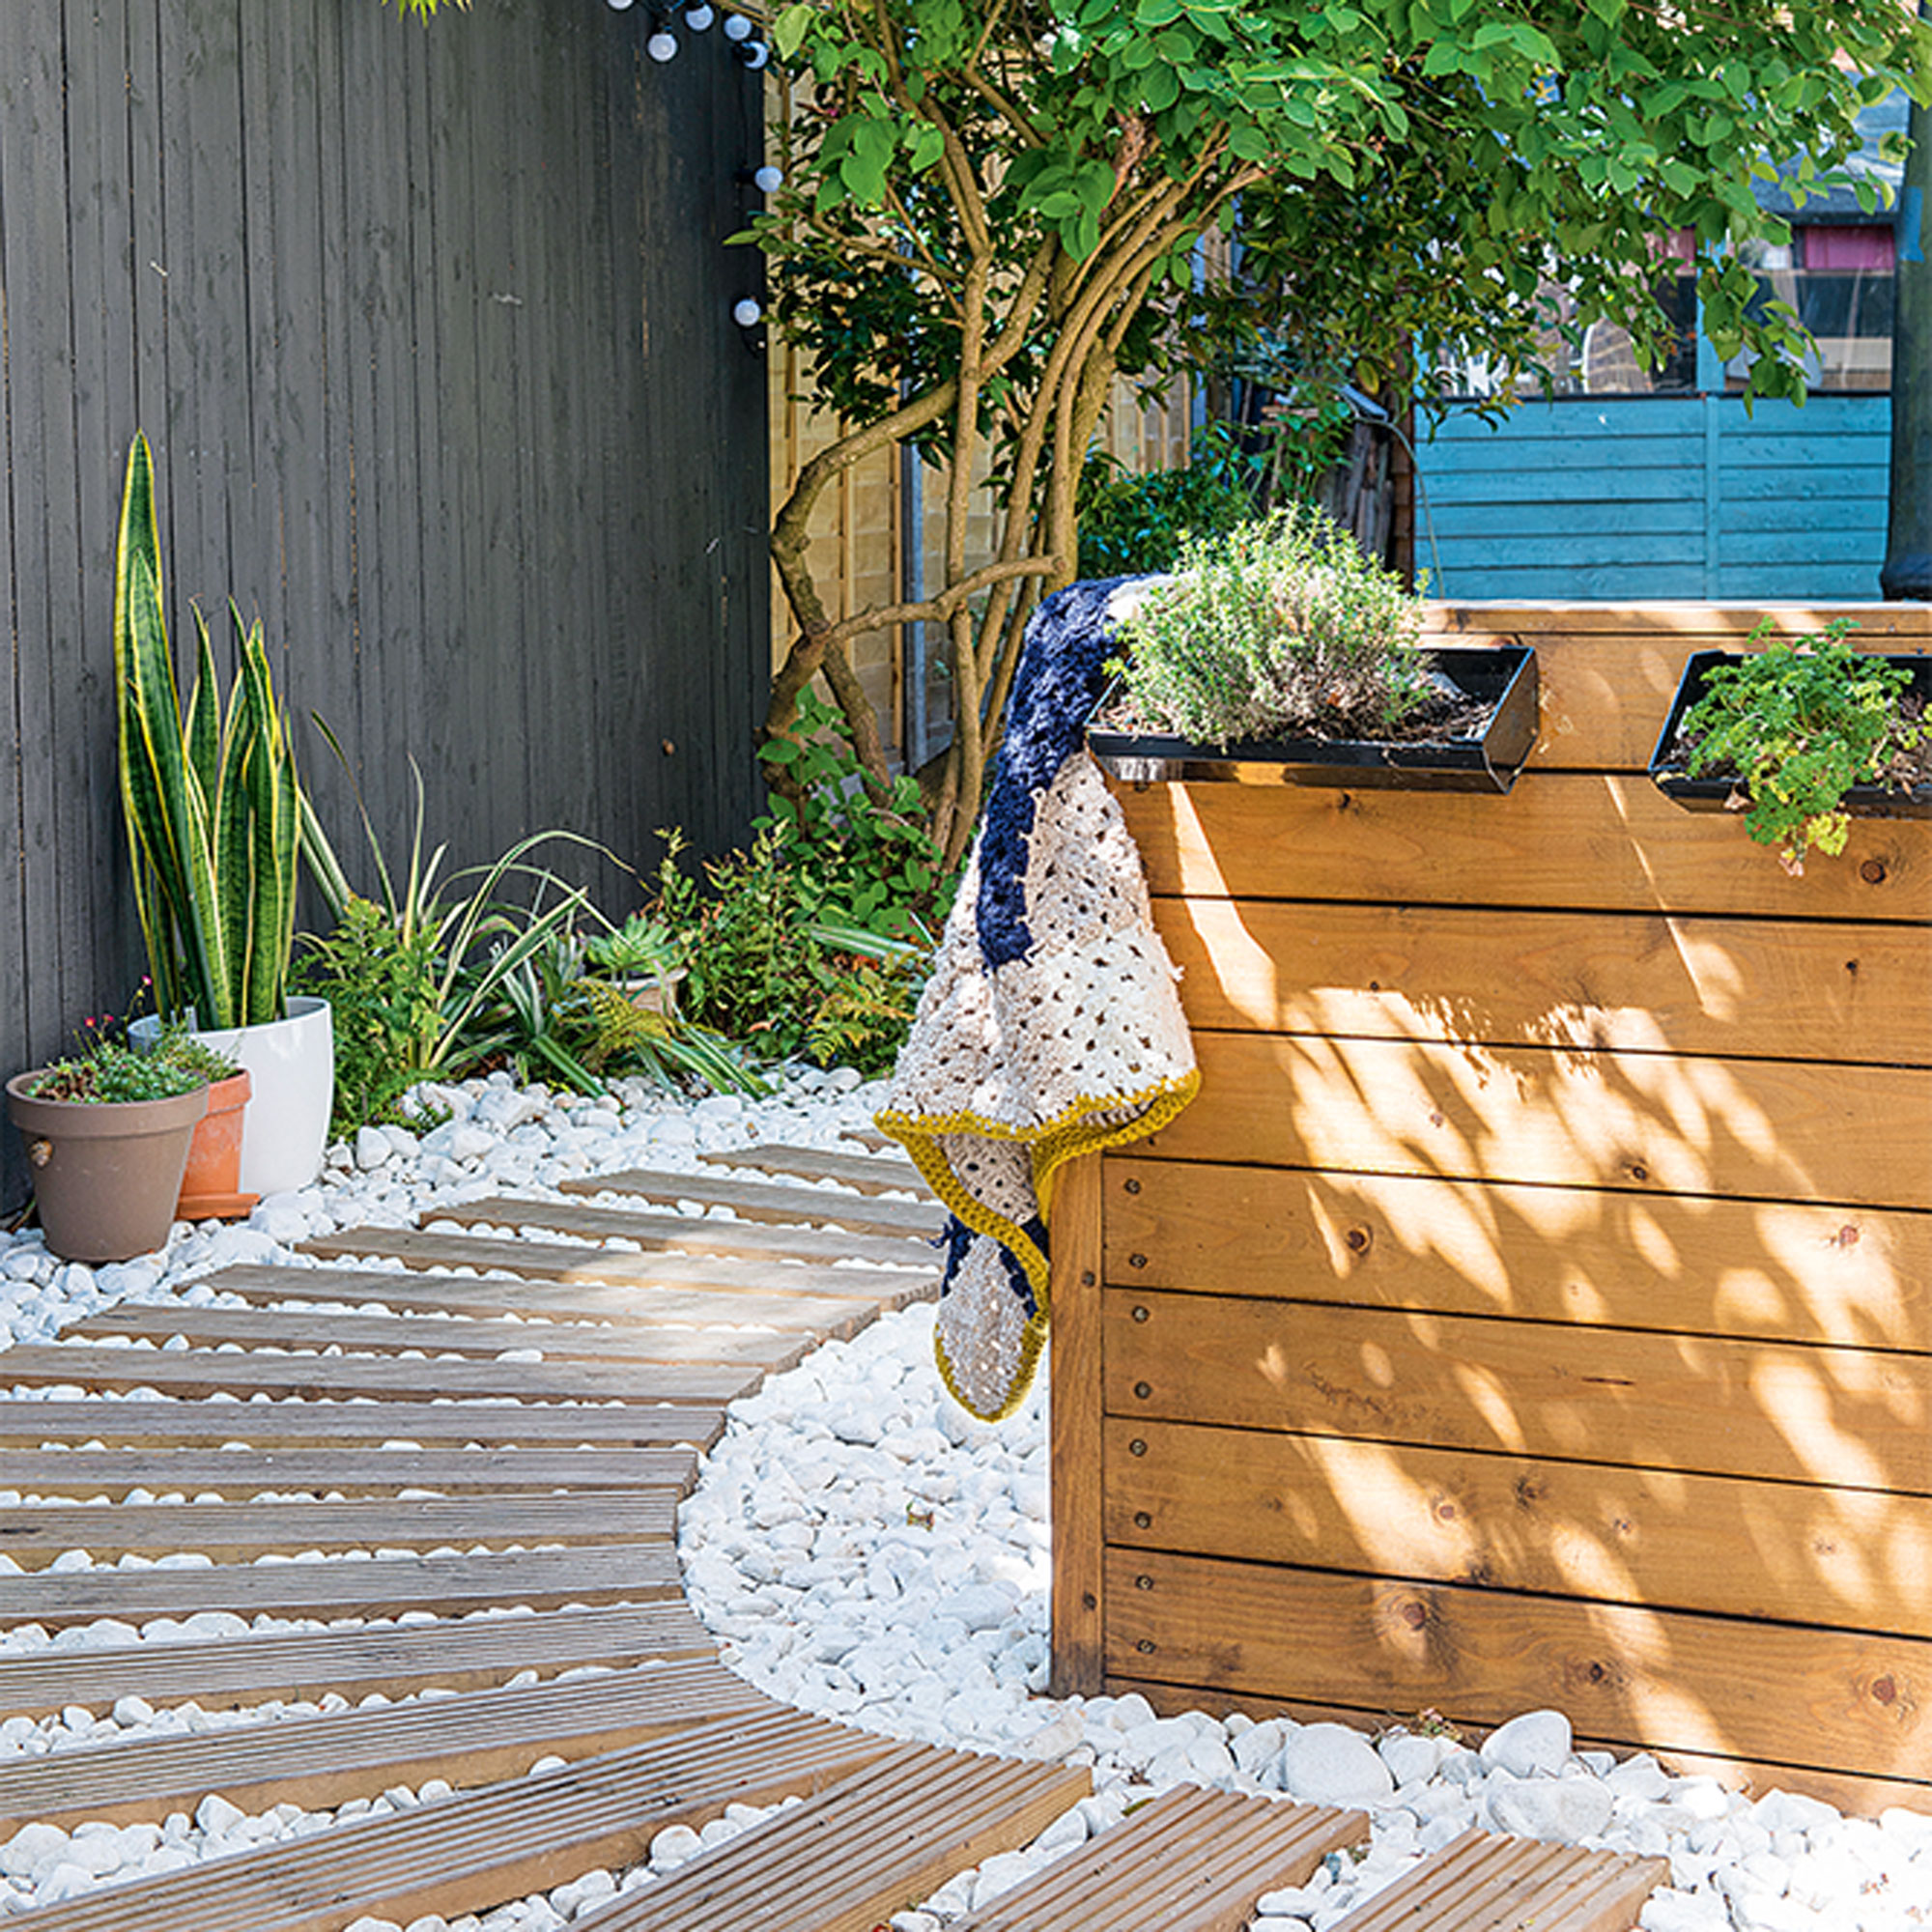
column 212, row 801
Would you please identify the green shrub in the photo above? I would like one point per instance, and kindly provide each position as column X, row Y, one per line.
column 1799, row 723
column 108, row 1072
column 1278, row 625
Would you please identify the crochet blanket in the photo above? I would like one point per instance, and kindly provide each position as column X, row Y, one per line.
column 1051, row 1026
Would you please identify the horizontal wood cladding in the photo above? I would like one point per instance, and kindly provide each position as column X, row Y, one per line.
column 1382, row 1647
column 1857, row 1276
column 1847, row 1559
column 1703, row 1404
column 1549, row 623
column 1560, row 841
column 1651, row 1122
column 1648, row 982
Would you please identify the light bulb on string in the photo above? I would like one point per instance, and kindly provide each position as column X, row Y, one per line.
column 753, row 54
column 699, row 17
column 620, row 6
column 737, row 27
column 747, row 313
column 768, row 179
column 663, row 43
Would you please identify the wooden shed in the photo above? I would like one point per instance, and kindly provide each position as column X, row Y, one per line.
column 1535, row 1307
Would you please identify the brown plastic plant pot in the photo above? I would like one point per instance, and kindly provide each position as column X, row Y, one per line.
column 105, row 1172
column 209, row 1188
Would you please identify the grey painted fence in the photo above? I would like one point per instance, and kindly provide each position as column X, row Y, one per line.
column 430, row 331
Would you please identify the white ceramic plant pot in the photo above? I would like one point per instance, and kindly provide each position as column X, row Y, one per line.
column 293, row 1062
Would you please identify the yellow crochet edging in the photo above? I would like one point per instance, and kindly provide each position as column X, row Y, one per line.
column 1031, row 1341
column 1050, row 1146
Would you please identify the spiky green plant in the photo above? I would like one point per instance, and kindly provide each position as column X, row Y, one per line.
column 211, row 800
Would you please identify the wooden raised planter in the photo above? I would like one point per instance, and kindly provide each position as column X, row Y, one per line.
column 1535, row 1307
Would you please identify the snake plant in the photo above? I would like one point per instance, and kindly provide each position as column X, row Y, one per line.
column 211, row 800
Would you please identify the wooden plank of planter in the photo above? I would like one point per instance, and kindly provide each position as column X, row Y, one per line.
column 1762, row 1128
column 360, row 1424
column 190, row 1373
column 233, row 1532
column 1560, row 841
column 380, row 1587
column 1743, row 988
column 1781, row 1550
column 750, row 1201
column 324, row 1471
column 1188, row 1861
column 475, row 1850
column 316, row 1761
column 1739, row 1689
column 843, row 1861
column 730, row 1291
column 1077, row 1492
column 1714, row 1405
column 1791, row 1270
column 1482, row 1883
column 471, row 1654
column 437, row 1335
column 688, row 1234
column 868, row 1174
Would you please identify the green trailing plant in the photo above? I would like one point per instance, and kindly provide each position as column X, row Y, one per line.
column 1279, row 626
column 211, row 799
column 1799, row 723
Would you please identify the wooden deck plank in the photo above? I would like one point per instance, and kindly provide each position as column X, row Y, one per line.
column 751, row 1201
column 439, row 1334
column 81, row 1473
column 849, row 1858
column 1704, row 1405
column 475, row 1850
column 379, row 1587
column 1190, row 1861
column 1482, row 1883
column 1792, row 1271
column 28, row 1423
column 1754, row 1691
column 688, row 1234
column 233, row 1532
column 473, row 1653
column 319, row 1761
column 189, row 1373
column 1821, row 990
column 1564, row 841
column 867, row 1173
column 774, row 1294
column 1731, row 1547
column 1652, row 1124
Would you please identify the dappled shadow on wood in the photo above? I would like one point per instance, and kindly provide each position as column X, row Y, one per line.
column 1536, row 1305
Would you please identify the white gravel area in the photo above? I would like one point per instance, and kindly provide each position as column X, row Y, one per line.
column 865, row 1550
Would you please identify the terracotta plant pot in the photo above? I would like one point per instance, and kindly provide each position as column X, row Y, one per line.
column 105, row 1173
column 209, row 1189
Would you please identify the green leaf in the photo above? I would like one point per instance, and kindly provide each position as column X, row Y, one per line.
column 789, row 30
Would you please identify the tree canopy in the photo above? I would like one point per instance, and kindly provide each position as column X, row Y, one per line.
column 994, row 206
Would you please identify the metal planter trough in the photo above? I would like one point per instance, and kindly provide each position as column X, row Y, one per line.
column 1714, row 793
column 1505, row 677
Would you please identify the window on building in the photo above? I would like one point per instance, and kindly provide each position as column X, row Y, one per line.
column 1838, row 276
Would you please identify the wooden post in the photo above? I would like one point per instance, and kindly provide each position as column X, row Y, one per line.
column 1079, row 1663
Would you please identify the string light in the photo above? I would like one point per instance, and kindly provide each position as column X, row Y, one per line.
column 737, row 27
column 753, row 54
column 699, row 17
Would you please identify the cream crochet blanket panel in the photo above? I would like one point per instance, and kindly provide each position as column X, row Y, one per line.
column 1014, row 1069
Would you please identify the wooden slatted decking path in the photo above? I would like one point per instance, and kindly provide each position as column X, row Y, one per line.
column 505, row 1448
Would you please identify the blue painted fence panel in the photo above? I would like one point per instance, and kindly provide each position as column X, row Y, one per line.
column 1644, row 497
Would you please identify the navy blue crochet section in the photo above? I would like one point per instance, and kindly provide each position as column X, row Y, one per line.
column 958, row 1238
column 1061, row 672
